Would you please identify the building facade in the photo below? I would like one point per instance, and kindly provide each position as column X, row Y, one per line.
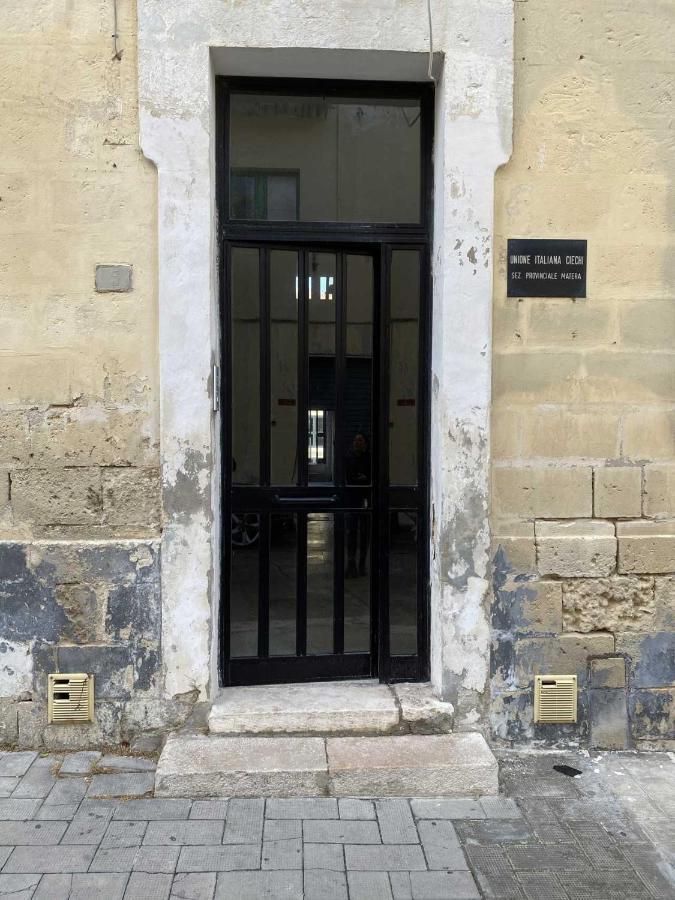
column 223, row 220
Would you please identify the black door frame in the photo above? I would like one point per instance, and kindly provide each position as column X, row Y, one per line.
column 380, row 240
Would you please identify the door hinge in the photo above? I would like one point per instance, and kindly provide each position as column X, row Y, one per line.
column 216, row 388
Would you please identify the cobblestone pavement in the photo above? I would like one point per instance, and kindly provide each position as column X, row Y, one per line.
column 82, row 826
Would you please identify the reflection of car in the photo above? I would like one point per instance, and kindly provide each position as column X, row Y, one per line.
column 246, row 528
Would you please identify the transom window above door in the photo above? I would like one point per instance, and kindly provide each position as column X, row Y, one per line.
column 324, row 158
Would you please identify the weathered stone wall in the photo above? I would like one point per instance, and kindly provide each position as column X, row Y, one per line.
column 583, row 425
column 79, row 457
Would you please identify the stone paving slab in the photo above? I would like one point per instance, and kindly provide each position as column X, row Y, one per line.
column 124, row 834
column 16, row 764
column 80, row 763
column 341, row 831
column 18, row 809
column 126, row 763
column 33, row 834
column 219, row 859
column 195, row 831
column 324, row 856
column 152, row 808
column 25, row 860
column 63, row 812
column 39, row 779
column 121, row 785
column 325, row 885
column 369, row 886
column 187, row 886
column 8, row 784
column 255, row 885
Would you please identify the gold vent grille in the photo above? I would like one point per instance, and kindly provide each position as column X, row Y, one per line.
column 555, row 698
column 70, row 698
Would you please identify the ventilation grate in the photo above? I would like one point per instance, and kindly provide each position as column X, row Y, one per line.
column 70, row 698
column 555, row 698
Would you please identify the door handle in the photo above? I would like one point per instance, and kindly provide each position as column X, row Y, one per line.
column 279, row 499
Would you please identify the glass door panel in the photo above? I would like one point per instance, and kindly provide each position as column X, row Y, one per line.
column 245, row 267
column 404, row 366
column 320, row 582
column 321, row 344
column 283, row 361
column 326, row 530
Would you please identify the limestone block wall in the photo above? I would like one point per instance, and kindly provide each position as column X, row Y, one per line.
column 79, row 458
column 583, row 423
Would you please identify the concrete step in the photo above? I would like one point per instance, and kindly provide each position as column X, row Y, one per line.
column 330, row 707
column 451, row 765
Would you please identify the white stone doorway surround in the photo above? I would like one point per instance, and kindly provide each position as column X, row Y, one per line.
column 183, row 45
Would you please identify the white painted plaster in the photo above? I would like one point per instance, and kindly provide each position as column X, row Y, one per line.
column 16, row 668
column 178, row 39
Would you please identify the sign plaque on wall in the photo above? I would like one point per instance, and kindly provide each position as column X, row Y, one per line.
column 546, row 268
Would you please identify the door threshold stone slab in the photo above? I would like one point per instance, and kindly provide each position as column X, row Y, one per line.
column 459, row 765
column 330, row 708
column 212, row 766
column 327, row 707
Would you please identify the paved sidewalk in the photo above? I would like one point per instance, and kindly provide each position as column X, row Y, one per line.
column 81, row 826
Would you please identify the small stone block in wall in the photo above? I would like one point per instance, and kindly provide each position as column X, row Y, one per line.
column 659, row 496
column 516, row 542
column 608, row 719
column 646, row 547
column 609, row 672
column 542, row 607
column 113, row 278
column 575, row 548
column 530, row 491
column 563, row 654
column 617, row 492
column 664, row 602
column 618, row 603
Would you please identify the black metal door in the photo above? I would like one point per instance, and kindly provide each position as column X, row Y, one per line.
column 324, row 442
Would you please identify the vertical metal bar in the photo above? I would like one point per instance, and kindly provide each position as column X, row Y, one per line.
column 423, row 462
column 265, row 373
column 264, row 586
column 265, row 451
column 222, row 117
column 301, row 599
column 340, row 366
column 382, row 511
column 339, row 449
column 301, row 451
column 226, row 452
column 338, row 583
column 303, row 369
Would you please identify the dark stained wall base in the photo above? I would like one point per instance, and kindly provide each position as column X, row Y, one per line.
column 626, row 677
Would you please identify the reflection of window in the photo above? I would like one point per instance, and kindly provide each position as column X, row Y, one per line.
column 360, row 157
column 264, row 194
column 317, row 436
column 323, row 287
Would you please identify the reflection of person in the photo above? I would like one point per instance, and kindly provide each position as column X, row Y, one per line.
column 358, row 472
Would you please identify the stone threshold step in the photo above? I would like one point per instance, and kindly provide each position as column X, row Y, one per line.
column 330, row 708
column 449, row 765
